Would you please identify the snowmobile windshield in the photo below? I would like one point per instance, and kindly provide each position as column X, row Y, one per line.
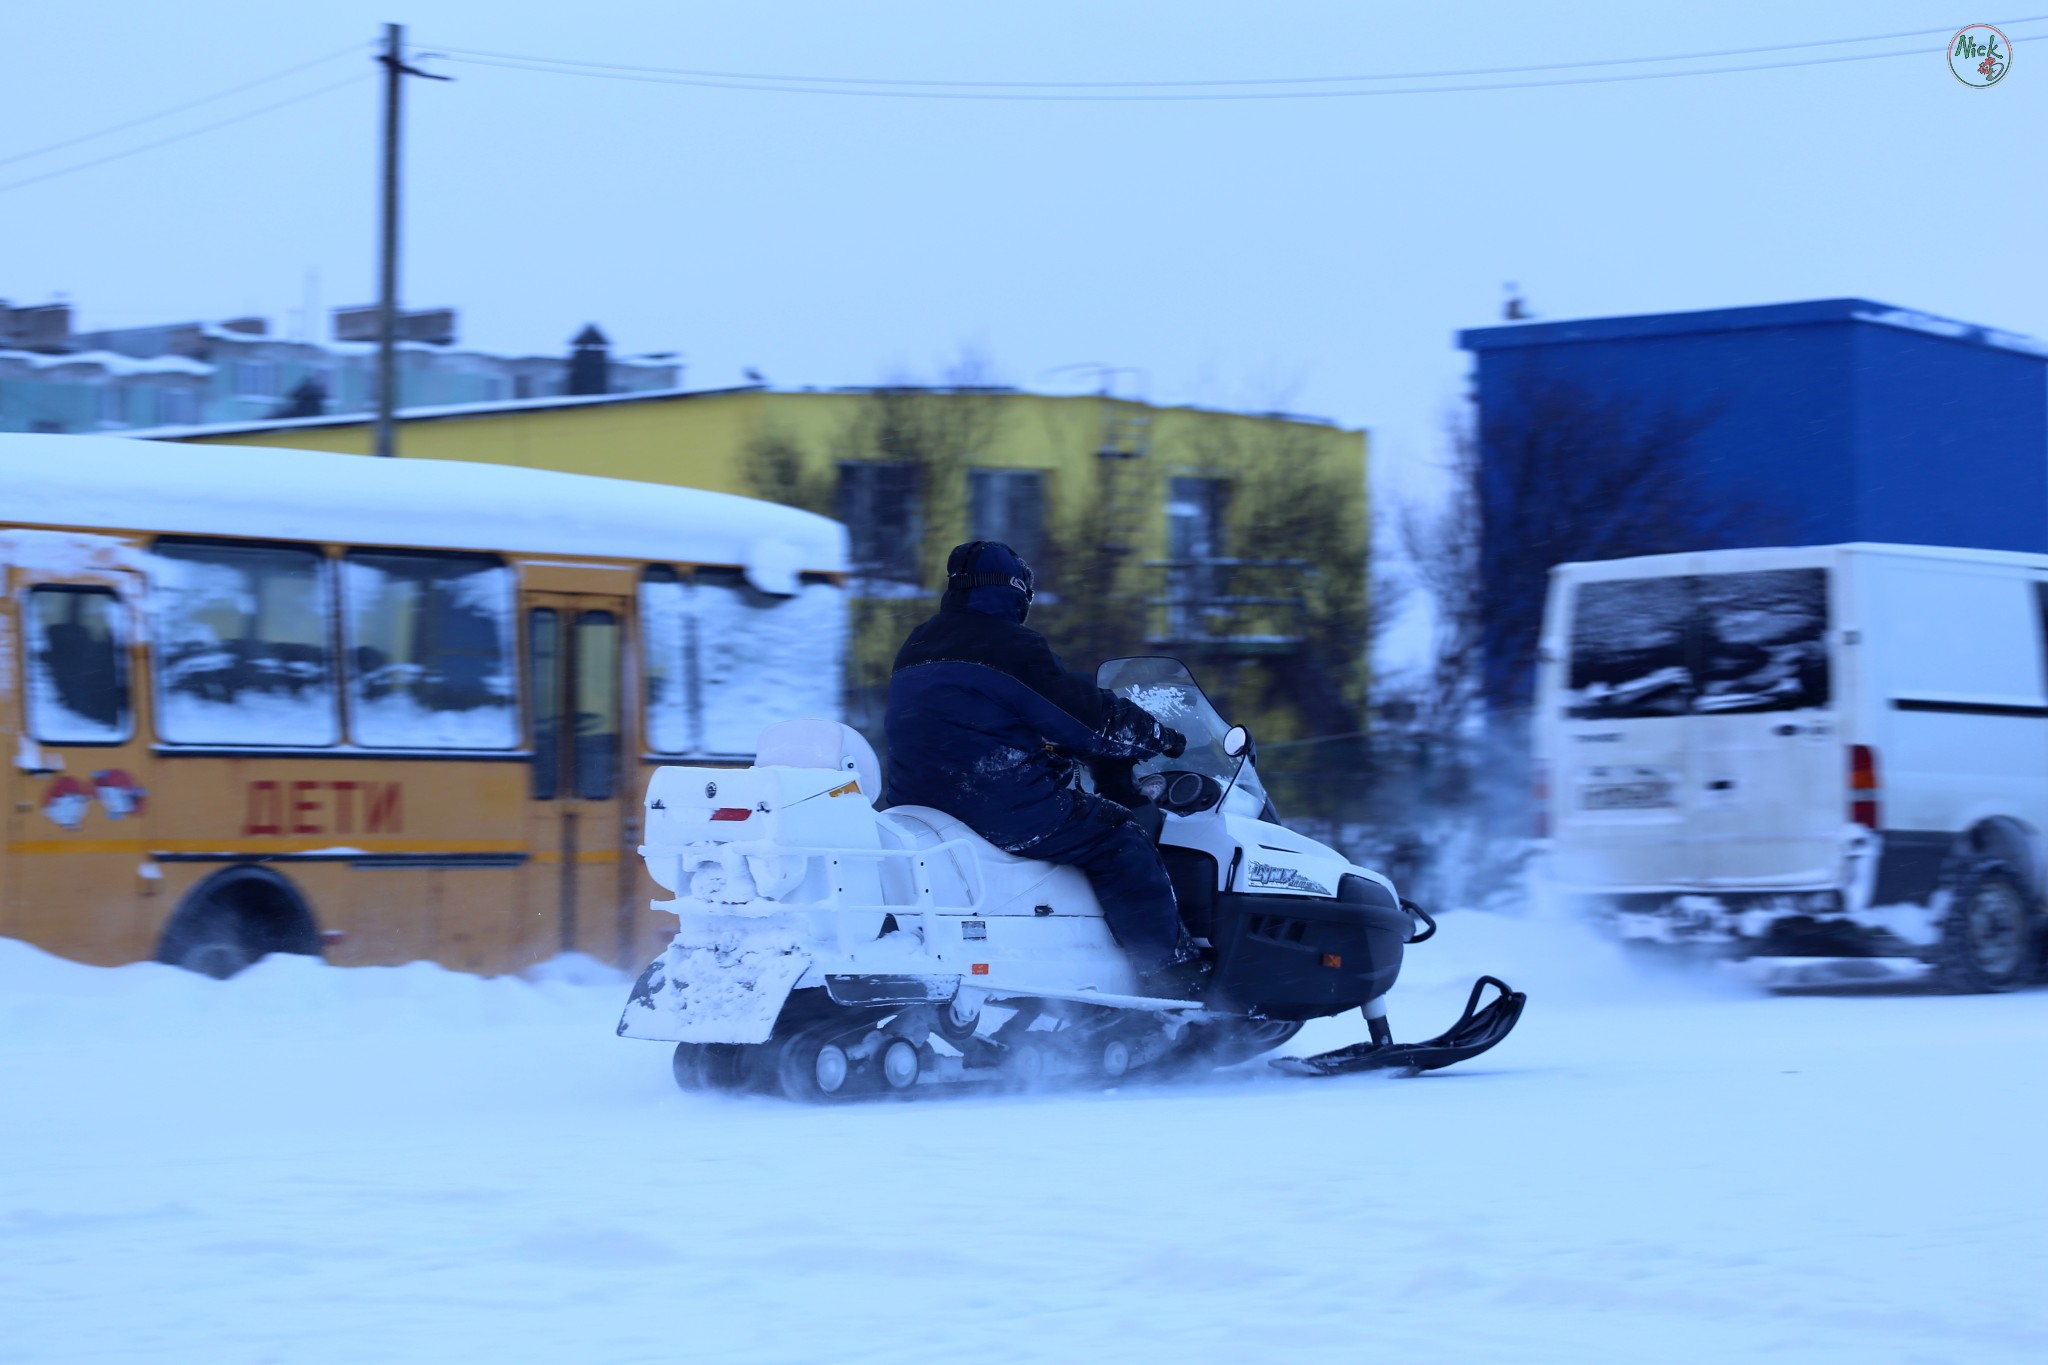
column 1164, row 687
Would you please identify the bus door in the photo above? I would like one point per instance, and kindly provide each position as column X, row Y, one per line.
column 582, row 840
column 76, row 838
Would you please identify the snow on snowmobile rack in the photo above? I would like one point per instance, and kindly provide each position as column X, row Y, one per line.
column 826, row 949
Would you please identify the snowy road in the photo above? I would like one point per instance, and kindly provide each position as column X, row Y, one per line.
column 308, row 1164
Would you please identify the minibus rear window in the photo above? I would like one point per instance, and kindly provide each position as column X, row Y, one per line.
column 1631, row 649
column 1763, row 641
column 1710, row 644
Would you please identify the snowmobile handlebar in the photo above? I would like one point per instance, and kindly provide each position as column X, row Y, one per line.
column 1428, row 930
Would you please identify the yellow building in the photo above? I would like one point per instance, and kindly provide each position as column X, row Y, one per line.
column 1236, row 540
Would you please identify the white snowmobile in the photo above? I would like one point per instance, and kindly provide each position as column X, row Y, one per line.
column 827, row 949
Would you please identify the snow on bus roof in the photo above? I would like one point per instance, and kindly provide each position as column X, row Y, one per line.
column 113, row 483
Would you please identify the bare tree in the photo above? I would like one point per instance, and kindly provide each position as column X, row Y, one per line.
column 926, row 436
column 778, row 469
column 1440, row 543
column 1557, row 471
column 1095, row 605
column 1297, row 569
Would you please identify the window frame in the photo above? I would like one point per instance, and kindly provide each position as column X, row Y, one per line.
column 581, row 767
column 1689, row 652
column 256, row 377
column 1001, row 481
column 158, row 691
column 185, row 399
column 511, row 637
column 123, row 663
column 684, row 673
column 858, row 515
column 696, row 722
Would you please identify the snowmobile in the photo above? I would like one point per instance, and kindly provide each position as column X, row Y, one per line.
column 827, row 949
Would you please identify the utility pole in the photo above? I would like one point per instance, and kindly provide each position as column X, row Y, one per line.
column 395, row 72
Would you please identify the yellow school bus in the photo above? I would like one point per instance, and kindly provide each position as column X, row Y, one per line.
column 258, row 700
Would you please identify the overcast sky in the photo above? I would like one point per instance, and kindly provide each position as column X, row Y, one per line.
column 1308, row 254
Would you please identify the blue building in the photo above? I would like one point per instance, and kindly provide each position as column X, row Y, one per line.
column 1797, row 423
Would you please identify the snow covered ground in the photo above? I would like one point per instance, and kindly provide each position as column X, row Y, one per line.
column 311, row 1164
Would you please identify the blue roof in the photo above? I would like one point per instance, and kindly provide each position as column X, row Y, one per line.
column 1741, row 319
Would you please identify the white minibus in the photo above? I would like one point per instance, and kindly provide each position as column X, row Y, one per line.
column 1830, row 751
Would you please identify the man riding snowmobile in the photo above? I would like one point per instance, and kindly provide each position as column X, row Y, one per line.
column 978, row 707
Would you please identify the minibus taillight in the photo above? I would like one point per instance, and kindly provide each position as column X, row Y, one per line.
column 1863, row 786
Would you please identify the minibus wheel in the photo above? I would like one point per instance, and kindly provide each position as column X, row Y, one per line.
column 1988, row 938
column 234, row 917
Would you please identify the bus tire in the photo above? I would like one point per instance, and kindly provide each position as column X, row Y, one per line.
column 1989, row 934
column 233, row 918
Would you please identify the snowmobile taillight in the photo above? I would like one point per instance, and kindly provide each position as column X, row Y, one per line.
column 1333, row 960
column 731, row 813
column 1863, row 786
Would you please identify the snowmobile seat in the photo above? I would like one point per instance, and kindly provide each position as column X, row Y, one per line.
column 821, row 744
column 935, row 826
column 975, row 862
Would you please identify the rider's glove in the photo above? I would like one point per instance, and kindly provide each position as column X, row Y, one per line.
column 1172, row 742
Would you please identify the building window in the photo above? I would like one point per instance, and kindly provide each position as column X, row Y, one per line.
column 430, row 651
column 177, row 407
column 880, row 502
column 256, row 378
column 1009, row 505
column 1195, row 510
column 78, row 667
column 242, row 645
column 113, row 406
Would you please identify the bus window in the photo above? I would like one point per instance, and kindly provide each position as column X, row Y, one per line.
column 762, row 658
column 544, row 698
column 597, row 705
column 665, row 628
column 242, row 645
column 78, row 671
column 430, row 651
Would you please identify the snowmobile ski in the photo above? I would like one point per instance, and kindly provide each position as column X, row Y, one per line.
column 1477, row 1029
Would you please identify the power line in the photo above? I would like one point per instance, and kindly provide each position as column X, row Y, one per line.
column 356, row 79
column 179, row 108
column 1187, row 97
column 967, row 89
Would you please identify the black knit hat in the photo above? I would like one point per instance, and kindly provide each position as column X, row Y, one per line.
column 987, row 564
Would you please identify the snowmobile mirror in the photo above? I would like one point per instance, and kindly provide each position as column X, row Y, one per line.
column 1237, row 741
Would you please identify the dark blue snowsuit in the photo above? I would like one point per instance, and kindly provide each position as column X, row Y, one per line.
column 975, row 699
